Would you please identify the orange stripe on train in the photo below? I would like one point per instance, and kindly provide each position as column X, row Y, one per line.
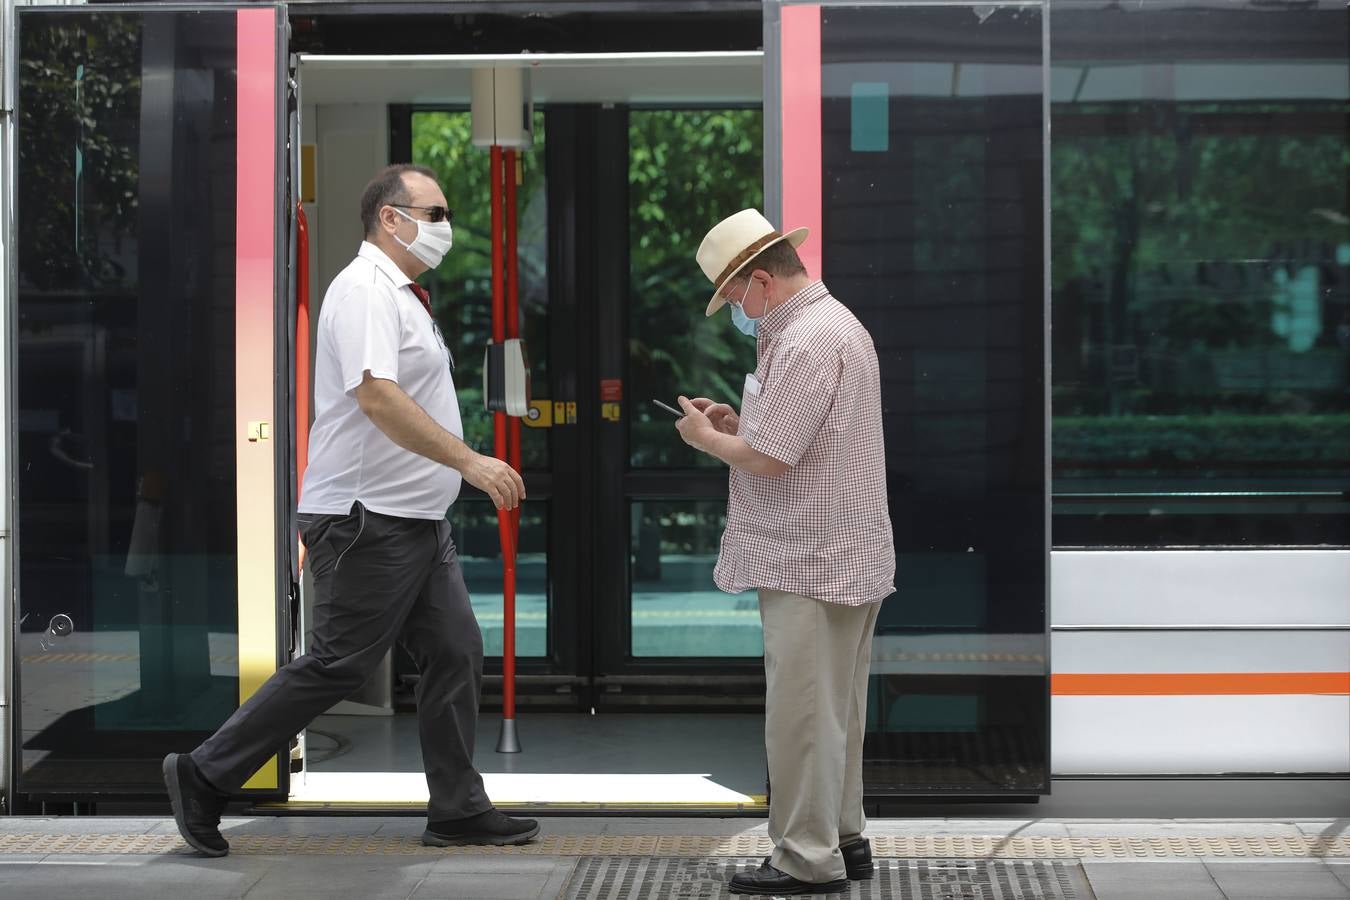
column 1198, row 683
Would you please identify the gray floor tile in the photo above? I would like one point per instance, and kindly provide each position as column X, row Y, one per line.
column 1182, row 828
column 558, row 879
column 15, row 873
column 113, row 877
column 439, row 886
column 1277, row 880
column 498, row 865
column 956, row 827
column 76, row 825
column 1341, row 869
column 651, row 825
column 351, row 874
column 1152, row 881
column 312, row 826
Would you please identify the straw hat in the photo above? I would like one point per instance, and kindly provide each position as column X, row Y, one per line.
column 733, row 243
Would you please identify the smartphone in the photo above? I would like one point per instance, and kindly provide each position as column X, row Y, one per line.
column 679, row 414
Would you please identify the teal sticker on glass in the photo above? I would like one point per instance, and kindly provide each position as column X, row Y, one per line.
column 871, row 117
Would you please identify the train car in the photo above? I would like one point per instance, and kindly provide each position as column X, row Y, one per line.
column 1103, row 252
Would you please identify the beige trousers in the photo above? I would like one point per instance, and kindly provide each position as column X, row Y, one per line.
column 817, row 657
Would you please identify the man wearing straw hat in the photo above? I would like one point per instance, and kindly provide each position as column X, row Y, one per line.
column 808, row 527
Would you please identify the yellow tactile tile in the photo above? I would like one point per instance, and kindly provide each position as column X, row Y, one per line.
column 703, row 846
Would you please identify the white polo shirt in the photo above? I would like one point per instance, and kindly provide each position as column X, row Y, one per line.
column 372, row 320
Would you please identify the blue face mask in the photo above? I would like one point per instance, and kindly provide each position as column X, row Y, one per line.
column 743, row 322
column 746, row 324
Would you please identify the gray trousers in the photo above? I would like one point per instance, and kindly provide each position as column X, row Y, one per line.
column 817, row 657
column 377, row 579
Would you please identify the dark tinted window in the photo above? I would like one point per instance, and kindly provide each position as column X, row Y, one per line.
column 126, row 393
column 1200, row 274
column 932, row 142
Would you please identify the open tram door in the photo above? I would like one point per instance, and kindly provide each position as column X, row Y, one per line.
column 625, row 634
column 152, row 425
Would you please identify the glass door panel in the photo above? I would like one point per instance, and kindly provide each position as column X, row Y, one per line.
column 687, row 169
column 676, row 608
column 912, row 143
column 461, row 287
column 144, row 340
column 474, row 528
column 461, row 298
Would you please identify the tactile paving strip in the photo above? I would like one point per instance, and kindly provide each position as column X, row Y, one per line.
column 703, row 846
column 629, row 878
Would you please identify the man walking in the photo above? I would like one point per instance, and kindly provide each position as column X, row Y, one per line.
column 807, row 525
column 386, row 460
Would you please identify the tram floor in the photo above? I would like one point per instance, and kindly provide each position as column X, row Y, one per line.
column 610, row 858
column 617, row 760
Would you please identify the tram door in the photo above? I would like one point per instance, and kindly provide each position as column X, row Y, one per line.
column 935, row 241
column 151, row 462
column 616, row 606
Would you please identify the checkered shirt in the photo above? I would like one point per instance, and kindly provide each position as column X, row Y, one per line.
column 822, row 529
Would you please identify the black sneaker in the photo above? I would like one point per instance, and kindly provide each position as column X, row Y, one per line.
column 196, row 805
column 489, row 827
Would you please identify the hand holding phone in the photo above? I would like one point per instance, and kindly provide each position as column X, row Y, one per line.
column 670, row 409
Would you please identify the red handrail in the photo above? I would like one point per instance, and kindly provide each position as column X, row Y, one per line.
column 505, row 519
column 512, row 304
column 301, row 346
column 301, row 354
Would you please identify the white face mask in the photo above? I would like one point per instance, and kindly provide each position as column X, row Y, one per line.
column 433, row 239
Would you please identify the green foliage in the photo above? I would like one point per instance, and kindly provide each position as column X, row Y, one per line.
column 1167, row 197
column 1177, row 230
column 1226, row 445
column 687, row 170
column 461, row 287
column 79, row 86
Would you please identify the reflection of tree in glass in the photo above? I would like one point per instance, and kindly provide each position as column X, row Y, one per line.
column 461, row 287
column 687, row 169
column 1195, row 278
column 79, row 87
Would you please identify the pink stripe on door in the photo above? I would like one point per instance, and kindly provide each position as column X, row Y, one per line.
column 800, row 140
column 255, row 296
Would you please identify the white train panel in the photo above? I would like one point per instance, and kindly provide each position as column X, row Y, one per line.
column 1220, row 652
column 1201, row 587
column 1199, row 735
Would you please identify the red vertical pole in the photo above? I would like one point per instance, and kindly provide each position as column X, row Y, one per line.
column 301, row 345
column 512, row 306
column 301, row 359
column 505, row 520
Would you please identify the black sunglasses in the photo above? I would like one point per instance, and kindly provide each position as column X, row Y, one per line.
column 434, row 213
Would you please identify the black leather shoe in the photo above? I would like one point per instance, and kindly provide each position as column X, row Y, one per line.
column 858, row 859
column 768, row 880
column 196, row 805
column 489, row 827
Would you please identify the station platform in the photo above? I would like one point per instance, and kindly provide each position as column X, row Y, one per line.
column 364, row 858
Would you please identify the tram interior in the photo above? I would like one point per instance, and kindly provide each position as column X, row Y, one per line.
column 357, row 114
